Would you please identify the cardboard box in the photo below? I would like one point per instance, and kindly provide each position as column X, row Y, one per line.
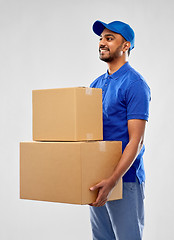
column 64, row 171
column 67, row 114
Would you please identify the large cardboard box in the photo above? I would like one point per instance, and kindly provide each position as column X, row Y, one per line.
column 64, row 171
column 67, row 114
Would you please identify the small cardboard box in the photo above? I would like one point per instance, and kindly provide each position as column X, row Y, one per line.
column 64, row 171
column 67, row 114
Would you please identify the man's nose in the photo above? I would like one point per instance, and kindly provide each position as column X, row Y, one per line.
column 102, row 46
column 102, row 42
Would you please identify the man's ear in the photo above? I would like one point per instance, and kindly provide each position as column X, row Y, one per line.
column 126, row 46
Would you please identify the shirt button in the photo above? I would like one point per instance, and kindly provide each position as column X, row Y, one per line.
column 106, row 84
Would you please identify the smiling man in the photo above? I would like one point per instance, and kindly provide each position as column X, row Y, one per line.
column 126, row 98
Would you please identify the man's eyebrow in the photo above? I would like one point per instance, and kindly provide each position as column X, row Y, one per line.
column 107, row 35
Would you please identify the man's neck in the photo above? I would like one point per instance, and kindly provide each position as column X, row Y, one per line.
column 114, row 66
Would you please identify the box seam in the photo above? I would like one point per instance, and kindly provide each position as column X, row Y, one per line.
column 75, row 105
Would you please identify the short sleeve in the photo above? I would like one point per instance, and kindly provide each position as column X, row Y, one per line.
column 92, row 85
column 138, row 97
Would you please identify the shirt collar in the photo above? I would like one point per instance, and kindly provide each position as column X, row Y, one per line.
column 119, row 72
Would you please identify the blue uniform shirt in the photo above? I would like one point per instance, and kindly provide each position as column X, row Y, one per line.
column 126, row 96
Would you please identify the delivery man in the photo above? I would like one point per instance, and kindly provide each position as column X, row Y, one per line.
column 126, row 98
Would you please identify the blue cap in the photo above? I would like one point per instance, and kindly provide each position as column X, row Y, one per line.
column 118, row 27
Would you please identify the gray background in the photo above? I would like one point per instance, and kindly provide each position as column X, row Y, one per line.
column 49, row 44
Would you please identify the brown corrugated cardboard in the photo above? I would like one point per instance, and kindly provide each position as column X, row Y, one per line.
column 67, row 114
column 64, row 171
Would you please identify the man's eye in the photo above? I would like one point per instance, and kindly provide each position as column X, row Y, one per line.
column 109, row 39
column 100, row 39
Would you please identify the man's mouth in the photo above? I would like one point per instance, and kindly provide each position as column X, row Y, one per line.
column 103, row 50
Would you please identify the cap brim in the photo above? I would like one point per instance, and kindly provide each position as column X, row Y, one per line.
column 98, row 27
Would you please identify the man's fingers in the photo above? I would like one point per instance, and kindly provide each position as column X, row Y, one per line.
column 102, row 203
column 95, row 187
column 103, row 190
column 96, row 201
column 99, row 197
column 99, row 203
column 99, row 200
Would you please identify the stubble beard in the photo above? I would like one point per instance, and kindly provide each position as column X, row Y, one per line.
column 106, row 59
column 111, row 57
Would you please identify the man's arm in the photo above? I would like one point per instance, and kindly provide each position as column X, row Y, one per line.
column 136, row 128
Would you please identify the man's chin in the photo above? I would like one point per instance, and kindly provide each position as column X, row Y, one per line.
column 105, row 59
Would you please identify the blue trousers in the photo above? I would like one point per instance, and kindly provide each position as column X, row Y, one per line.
column 120, row 219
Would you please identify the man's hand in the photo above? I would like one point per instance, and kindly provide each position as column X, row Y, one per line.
column 136, row 128
column 104, row 190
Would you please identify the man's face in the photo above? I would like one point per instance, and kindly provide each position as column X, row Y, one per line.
column 110, row 46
